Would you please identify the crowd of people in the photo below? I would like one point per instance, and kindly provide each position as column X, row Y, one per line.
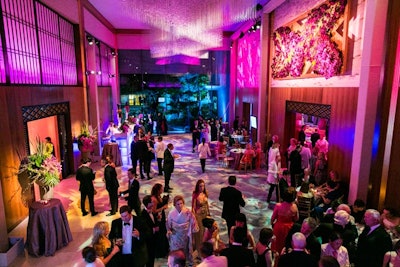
column 333, row 233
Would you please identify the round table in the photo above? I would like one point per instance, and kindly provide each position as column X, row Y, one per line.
column 48, row 228
column 112, row 149
column 236, row 154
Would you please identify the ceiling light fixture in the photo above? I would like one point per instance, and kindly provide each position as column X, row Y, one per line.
column 90, row 39
column 190, row 27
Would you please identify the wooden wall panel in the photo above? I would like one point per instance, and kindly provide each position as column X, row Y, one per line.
column 277, row 116
column 341, row 126
column 13, row 98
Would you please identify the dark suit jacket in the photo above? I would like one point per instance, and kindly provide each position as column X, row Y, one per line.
column 110, row 177
column 313, row 245
column 314, row 138
column 150, row 224
column 141, row 149
column 232, row 199
column 134, row 155
column 298, row 259
column 371, row 248
column 85, row 176
column 238, row 256
column 139, row 249
column 133, row 198
column 169, row 161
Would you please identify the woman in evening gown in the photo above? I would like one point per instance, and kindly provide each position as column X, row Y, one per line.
column 283, row 218
column 201, row 210
column 160, row 204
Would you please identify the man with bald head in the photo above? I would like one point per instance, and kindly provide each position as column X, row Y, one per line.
column 373, row 242
column 298, row 256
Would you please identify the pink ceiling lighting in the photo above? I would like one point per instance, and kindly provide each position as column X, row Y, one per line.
column 189, row 27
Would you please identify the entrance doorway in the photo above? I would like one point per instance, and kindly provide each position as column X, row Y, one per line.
column 50, row 120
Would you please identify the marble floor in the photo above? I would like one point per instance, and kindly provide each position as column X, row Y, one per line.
column 187, row 171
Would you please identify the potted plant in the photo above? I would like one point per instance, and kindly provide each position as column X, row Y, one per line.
column 86, row 140
column 41, row 169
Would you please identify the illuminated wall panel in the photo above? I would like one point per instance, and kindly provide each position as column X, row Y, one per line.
column 21, row 41
column 248, row 60
column 39, row 50
column 2, row 65
column 68, row 52
column 49, row 40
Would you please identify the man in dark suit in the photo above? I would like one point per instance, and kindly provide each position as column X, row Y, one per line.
column 302, row 135
column 141, row 149
column 232, row 199
column 315, row 137
column 112, row 184
column 85, row 176
column 150, row 220
column 298, row 256
column 168, row 167
column 307, row 228
column 133, row 191
column 237, row 255
column 373, row 242
column 134, row 233
column 134, row 156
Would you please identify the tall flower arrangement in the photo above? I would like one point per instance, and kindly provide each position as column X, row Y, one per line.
column 87, row 138
column 42, row 167
column 313, row 44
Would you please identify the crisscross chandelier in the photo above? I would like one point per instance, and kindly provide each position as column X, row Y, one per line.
column 188, row 27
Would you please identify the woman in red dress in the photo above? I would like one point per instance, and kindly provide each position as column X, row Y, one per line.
column 283, row 217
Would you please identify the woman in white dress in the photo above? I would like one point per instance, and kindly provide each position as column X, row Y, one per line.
column 181, row 224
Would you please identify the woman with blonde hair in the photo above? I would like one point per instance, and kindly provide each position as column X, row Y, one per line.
column 105, row 249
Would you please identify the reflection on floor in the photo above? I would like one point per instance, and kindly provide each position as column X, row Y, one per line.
column 187, row 172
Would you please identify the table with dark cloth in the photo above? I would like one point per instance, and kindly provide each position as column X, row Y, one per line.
column 236, row 154
column 112, row 149
column 48, row 228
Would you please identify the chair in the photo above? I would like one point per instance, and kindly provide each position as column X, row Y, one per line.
column 245, row 164
column 220, row 158
column 227, row 161
column 304, row 205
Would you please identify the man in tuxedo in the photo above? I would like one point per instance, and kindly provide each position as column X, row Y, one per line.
column 238, row 255
column 133, row 191
column 168, row 167
column 150, row 220
column 134, row 233
column 112, row 184
column 373, row 242
column 232, row 199
column 141, row 150
column 298, row 256
column 85, row 176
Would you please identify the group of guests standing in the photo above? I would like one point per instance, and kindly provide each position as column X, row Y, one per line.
column 209, row 129
column 335, row 235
